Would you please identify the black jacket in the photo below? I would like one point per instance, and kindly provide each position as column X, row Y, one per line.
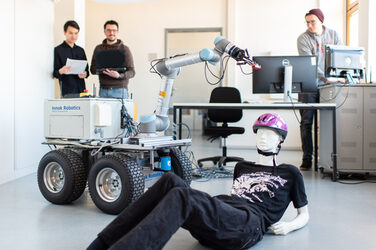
column 70, row 84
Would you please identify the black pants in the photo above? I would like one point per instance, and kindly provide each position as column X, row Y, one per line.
column 306, row 125
column 149, row 222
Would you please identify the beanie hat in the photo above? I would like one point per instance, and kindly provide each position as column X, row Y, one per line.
column 318, row 13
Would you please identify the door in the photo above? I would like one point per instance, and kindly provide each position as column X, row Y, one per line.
column 191, row 85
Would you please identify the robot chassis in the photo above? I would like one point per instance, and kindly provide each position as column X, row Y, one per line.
column 117, row 170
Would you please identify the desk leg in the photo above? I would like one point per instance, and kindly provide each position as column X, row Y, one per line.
column 180, row 121
column 174, row 123
column 334, row 156
column 315, row 140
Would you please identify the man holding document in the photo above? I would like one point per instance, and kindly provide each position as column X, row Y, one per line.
column 70, row 63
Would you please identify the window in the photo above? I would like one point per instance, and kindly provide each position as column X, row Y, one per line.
column 352, row 22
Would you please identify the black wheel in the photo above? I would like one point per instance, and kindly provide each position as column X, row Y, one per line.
column 115, row 181
column 181, row 165
column 61, row 176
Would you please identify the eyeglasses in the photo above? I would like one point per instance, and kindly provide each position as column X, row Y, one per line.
column 311, row 22
column 110, row 31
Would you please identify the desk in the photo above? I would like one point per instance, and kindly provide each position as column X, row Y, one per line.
column 330, row 107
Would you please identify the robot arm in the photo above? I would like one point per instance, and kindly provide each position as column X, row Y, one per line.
column 170, row 68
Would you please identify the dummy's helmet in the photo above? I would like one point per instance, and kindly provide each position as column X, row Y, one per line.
column 271, row 121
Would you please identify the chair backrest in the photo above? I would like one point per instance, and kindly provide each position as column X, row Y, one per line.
column 225, row 95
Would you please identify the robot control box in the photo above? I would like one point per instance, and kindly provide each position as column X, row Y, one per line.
column 84, row 118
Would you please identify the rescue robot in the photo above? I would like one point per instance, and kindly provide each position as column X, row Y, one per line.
column 95, row 142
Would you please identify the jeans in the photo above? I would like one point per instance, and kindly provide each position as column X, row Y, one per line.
column 306, row 125
column 150, row 221
column 113, row 93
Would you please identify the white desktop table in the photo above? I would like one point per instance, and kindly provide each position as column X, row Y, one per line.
column 329, row 107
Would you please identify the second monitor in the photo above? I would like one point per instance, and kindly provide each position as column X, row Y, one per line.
column 298, row 73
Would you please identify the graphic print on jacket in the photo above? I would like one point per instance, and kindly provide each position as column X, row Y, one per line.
column 247, row 186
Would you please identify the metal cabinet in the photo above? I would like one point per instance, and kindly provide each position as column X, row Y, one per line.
column 356, row 127
column 369, row 128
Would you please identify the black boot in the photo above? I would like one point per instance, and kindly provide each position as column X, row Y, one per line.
column 306, row 165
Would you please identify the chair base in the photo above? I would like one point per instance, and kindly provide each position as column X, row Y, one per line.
column 220, row 160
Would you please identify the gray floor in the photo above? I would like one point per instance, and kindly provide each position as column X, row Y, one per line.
column 341, row 216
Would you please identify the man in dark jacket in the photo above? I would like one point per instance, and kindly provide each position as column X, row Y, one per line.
column 113, row 83
column 69, row 83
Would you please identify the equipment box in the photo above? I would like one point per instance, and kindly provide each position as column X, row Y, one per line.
column 84, row 118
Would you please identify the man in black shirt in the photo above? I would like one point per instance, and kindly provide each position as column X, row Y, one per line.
column 260, row 195
column 69, row 84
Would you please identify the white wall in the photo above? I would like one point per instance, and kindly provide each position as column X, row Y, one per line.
column 63, row 11
column 68, row 10
column 367, row 35
column 80, row 18
column 272, row 27
column 26, row 82
column 7, row 92
column 264, row 27
column 142, row 28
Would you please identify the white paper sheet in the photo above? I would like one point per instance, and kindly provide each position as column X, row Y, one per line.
column 78, row 66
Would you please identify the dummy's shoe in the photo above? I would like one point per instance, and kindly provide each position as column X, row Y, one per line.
column 306, row 165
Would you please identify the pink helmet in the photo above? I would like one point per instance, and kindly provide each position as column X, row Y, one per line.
column 271, row 121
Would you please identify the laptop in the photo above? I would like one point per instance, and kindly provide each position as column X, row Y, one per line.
column 110, row 59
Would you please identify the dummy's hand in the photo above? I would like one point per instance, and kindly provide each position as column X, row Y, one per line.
column 82, row 75
column 280, row 228
column 65, row 70
column 112, row 73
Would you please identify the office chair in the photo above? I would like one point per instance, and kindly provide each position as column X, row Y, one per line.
column 224, row 116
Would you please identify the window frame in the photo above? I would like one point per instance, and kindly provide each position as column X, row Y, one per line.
column 351, row 9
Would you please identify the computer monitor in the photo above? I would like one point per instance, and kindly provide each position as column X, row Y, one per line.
column 344, row 61
column 298, row 73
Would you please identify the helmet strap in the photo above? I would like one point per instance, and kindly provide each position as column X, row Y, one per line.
column 266, row 153
column 274, row 165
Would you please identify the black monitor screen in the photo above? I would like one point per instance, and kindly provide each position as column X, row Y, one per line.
column 270, row 78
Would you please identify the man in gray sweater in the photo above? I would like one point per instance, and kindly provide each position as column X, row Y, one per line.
column 312, row 42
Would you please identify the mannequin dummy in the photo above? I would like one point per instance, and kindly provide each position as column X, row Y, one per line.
column 268, row 140
column 259, row 197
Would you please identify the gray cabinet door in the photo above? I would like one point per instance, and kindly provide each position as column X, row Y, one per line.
column 369, row 128
column 350, row 128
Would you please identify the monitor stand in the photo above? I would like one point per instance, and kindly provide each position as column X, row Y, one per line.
column 287, row 88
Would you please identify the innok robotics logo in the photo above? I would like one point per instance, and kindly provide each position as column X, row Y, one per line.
column 65, row 108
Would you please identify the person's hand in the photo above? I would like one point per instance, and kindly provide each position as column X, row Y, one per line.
column 65, row 70
column 280, row 228
column 112, row 73
column 336, row 80
column 82, row 75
